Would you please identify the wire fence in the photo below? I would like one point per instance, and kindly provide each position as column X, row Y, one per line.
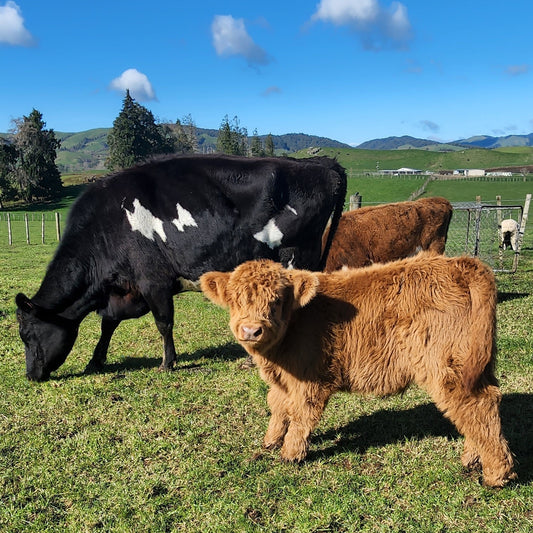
column 30, row 228
column 475, row 230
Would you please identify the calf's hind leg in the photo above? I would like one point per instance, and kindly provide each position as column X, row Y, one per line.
column 476, row 415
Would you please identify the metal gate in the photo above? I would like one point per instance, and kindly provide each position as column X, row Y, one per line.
column 475, row 230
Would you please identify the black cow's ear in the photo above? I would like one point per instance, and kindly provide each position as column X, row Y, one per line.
column 24, row 303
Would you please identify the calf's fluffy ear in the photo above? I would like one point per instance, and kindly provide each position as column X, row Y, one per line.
column 213, row 285
column 305, row 285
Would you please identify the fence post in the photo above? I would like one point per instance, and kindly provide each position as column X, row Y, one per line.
column 26, row 223
column 478, row 225
column 499, row 220
column 42, row 228
column 58, row 228
column 522, row 228
column 10, row 235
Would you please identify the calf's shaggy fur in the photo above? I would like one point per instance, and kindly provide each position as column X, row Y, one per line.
column 428, row 320
column 382, row 233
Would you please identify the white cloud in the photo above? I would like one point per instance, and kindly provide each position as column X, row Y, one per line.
column 12, row 30
column 378, row 27
column 231, row 38
column 138, row 84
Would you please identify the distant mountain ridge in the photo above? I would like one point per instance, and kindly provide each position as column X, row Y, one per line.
column 480, row 141
column 88, row 150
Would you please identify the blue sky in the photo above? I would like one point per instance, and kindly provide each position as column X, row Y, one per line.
column 351, row 70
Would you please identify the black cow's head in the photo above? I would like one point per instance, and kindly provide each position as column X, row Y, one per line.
column 48, row 338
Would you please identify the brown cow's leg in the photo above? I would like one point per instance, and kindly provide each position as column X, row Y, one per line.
column 279, row 419
column 304, row 417
column 476, row 415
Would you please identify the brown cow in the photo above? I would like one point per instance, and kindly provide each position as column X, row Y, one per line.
column 428, row 319
column 382, row 233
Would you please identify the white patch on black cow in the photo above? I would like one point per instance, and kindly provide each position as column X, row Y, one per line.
column 141, row 219
column 271, row 235
column 291, row 209
column 184, row 219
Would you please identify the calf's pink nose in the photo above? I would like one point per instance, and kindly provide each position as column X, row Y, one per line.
column 251, row 333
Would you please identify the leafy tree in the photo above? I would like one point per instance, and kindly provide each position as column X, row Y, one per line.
column 36, row 174
column 189, row 129
column 135, row 136
column 269, row 146
column 185, row 133
column 232, row 139
column 8, row 160
column 257, row 146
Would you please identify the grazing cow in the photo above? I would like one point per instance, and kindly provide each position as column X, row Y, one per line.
column 382, row 233
column 428, row 319
column 509, row 234
column 136, row 238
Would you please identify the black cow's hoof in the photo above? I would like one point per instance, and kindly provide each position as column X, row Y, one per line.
column 94, row 367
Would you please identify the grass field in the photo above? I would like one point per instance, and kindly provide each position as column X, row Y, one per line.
column 135, row 450
column 368, row 160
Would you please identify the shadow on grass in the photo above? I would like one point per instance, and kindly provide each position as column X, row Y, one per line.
column 230, row 351
column 506, row 296
column 69, row 194
column 390, row 426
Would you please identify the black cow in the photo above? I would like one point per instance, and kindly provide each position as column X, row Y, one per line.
column 136, row 238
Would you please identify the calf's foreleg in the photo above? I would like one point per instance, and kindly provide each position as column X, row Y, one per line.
column 305, row 412
column 279, row 418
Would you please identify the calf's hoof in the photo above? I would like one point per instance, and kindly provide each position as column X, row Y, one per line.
column 273, row 445
column 500, row 480
column 293, row 454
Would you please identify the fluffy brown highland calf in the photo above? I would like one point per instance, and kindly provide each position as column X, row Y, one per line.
column 428, row 319
column 382, row 233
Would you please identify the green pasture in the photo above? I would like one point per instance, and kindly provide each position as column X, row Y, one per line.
column 135, row 450
column 360, row 160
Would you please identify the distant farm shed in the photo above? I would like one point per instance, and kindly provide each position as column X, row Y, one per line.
column 470, row 172
column 401, row 171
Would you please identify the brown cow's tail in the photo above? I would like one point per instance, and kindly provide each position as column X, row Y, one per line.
column 339, row 193
column 480, row 362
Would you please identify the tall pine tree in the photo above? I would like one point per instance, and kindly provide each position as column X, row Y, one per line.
column 232, row 139
column 136, row 136
column 269, row 146
column 36, row 174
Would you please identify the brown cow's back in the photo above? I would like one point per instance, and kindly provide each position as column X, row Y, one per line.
column 382, row 233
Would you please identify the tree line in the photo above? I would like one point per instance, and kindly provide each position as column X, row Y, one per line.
column 28, row 171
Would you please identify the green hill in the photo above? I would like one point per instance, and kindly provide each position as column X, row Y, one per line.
column 88, row 150
column 358, row 160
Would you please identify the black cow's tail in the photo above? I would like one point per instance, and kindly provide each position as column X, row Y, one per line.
column 338, row 180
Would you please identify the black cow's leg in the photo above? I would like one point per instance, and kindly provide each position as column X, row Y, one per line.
column 99, row 357
column 162, row 307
